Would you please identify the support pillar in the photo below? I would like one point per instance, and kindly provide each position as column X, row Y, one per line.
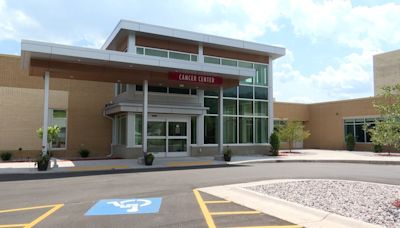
column 45, row 112
column 145, row 114
column 220, row 127
column 270, row 100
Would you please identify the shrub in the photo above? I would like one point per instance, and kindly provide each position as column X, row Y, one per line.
column 275, row 143
column 350, row 142
column 84, row 153
column 378, row 148
column 227, row 154
column 6, row 156
column 148, row 159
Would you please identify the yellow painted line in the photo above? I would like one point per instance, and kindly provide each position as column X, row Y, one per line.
column 235, row 213
column 189, row 163
column 216, row 201
column 277, row 226
column 94, row 168
column 45, row 215
column 13, row 225
column 204, row 209
column 26, row 208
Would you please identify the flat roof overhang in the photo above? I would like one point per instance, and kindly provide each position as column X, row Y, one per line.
column 70, row 62
column 125, row 27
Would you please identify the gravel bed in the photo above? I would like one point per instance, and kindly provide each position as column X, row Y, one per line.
column 369, row 202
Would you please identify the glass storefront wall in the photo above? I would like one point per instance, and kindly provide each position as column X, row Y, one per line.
column 245, row 110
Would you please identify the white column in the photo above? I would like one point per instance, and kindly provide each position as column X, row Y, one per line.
column 220, row 124
column 130, row 130
column 200, row 120
column 132, row 43
column 114, row 130
column 201, row 55
column 45, row 112
column 144, row 122
column 270, row 99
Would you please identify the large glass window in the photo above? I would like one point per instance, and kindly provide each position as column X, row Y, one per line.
column 138, row 129
column 245, row 107
column 261, row 131
column 179, row 91
column 155, row 128
column 157, row 89
column 245, row 130
column 246, row 92
column 212, row 103
column 356, row 128
column 261, row 75
column 261, row 93
column 154, row 52
column 210, row 129
column 121, row 88
column 261, row 108
column 230, row 134
column 177, row 55
column 60, row 119
column 230, row 107
column 212, row 60
column 231, row 92
column 228, row 62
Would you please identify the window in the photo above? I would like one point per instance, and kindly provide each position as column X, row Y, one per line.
column 261, row 75
column 212, row 60
column 261, row 93
column 230, row 107
column 121, row 88
column 230, row 130
column 212, row 103
column 59, row 118
column 245, row 107
column 138, row 129
column 169, row 90
column 356, row 128
column 231, row 92
column 140, row 50
column 261, row 126
column 261, row 108
column 193, row 121
column 246, row 92
column 121, row 130
column 157, row 89
column 228, row 62
column 245, row 130
column 245, row 64
column 179, row 91
column 154, row 52
column 210, row 129
column 177, row 55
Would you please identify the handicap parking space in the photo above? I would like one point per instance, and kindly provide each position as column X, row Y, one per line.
column 218, row 212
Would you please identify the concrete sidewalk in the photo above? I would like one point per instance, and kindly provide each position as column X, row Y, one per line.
column 305, row 155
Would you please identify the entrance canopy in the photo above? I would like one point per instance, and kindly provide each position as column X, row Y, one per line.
column 71, row 62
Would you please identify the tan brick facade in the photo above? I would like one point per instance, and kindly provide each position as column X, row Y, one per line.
column 21, row 112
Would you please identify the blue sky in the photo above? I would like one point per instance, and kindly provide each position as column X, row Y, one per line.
column 329, row 44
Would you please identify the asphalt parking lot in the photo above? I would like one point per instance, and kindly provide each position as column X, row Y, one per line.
column 65, row 201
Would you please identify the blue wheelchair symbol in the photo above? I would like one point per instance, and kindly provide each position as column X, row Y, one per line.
column 125, row 206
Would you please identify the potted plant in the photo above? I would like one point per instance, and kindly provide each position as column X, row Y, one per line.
column 350, row 142
column 227, row 154
column 43, row 162
column 148, row 159
column 6, row 156
column 52, row 134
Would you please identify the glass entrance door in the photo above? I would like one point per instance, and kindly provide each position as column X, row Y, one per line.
column 168, row 136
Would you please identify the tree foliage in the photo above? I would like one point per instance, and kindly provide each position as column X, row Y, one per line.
column 291, row 132
column 275, row 143
column 52, row 133
column 386, row 131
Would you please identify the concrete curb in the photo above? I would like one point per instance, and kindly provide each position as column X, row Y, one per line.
column 293, row 212
column 376, row 162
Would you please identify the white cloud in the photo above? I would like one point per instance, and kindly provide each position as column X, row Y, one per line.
column 13, row 21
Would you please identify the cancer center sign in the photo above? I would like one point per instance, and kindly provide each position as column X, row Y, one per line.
column 195, row 78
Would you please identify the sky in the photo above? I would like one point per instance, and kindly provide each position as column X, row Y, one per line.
column 329, row 44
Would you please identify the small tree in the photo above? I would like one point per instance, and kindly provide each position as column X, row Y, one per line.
column 386, row 131
column 293, row 131
column 52, row 134
column 275, row 143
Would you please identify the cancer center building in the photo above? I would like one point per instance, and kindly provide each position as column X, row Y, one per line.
column 166, row 91
column 148, row 89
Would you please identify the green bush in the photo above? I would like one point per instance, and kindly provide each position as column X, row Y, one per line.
column 227, row 154
column 275, row 143
column 84, row 153
column 6, row 156
column 378, row 148
column 350, row 142
column 148, row 159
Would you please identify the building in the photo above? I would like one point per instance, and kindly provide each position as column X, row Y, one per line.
column 386, row 70
column 148, row 89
